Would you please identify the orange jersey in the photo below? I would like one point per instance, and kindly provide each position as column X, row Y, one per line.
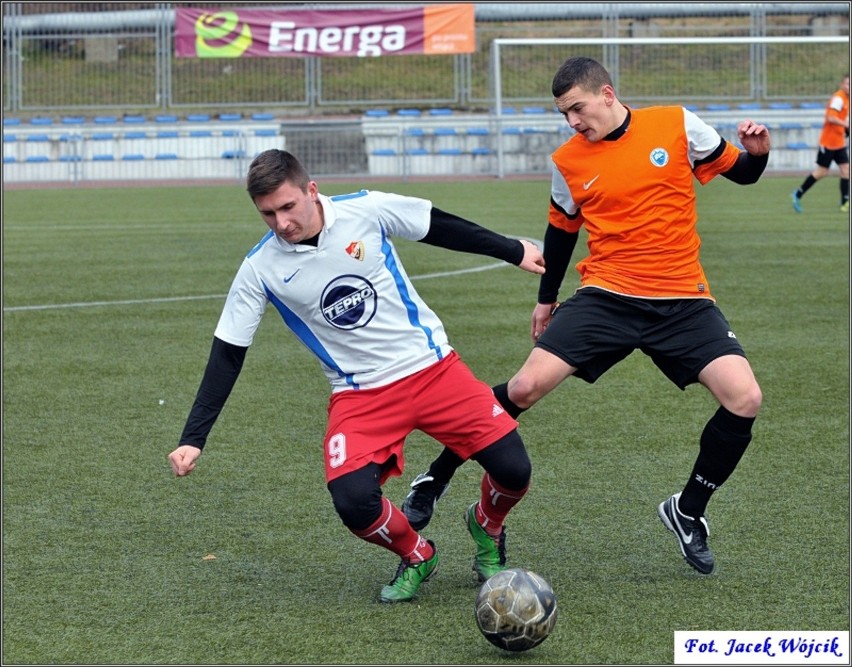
column 636, row 197
column 833, row 136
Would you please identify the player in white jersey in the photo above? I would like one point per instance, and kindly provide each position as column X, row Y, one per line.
column 329, row 267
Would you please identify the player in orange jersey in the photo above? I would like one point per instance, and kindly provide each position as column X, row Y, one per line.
column 832, row 148
column 627, row 176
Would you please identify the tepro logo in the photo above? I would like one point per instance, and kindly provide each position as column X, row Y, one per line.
column 348, row 302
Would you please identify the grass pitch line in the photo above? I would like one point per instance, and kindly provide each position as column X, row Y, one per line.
column 134, row 302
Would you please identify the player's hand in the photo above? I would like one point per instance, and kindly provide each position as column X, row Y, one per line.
column 533, row 260
column 754, row 137
column 183, row 458
column 541, row 316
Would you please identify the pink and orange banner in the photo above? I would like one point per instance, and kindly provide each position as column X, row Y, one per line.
column 252, row 33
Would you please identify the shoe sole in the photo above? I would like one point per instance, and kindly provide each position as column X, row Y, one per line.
column 661, row 512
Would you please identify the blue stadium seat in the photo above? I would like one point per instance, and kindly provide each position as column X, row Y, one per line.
column 417, row 151
column 134, row 135
column 534, row 110
column 749, row 106
column 9, row 138
column 445, row 131
column 791, row 125
column 233, row 154
column 441, row 112
column 38, row 138
column 133, row 157
column 73, row 120
column 198, row 117
column 450, row 151
column 481, row 151
column 166, row 119
column 409, row 112
column 134, row 119
column 266, row 132
column 812, row 105
column 70, row 158
column 262, row 116
column 230, row 116
column 11, row 121
column 41, row 121
column 37, row 158
column 414, row 132
column 200, row 133
column 377, row 113
column 103, row 157
column 798, row 146
column 780, row 106
column 102, row 136
column 230, row 133
column 481, row 131
column 166, row 156
column 384, row 151
column 718, row 107
column 105, row 120
column 691, row 107
column 9, row 159
column 168, row 134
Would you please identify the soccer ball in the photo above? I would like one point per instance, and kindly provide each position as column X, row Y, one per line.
column 515, row 609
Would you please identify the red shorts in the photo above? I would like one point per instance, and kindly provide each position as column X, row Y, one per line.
column 445, row 401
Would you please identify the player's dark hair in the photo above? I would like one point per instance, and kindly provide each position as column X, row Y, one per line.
column 272, row 168
column 585, row 73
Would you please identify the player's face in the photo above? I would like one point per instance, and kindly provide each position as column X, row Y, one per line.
column 291, row 214
column 589, row 113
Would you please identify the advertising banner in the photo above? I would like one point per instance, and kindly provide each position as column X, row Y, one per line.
column 256, row 33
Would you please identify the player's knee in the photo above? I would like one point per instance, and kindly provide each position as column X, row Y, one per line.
column 357, row 505
column 748, row 403
column 524, row 390
column 507, row 462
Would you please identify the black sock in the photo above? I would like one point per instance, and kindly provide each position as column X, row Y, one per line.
column 723, row 443
column 444, row 467
column 844, row 190
column 501, row 393
column 806, row 185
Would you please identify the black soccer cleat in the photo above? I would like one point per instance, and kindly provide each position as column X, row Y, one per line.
column 691, row 534
column 419, row 504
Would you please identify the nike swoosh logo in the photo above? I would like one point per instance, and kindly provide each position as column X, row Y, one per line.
column 687, row 539
column 586, row 186
column 291, row 276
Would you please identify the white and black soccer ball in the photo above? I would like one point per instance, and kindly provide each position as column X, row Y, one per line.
column 516, row 609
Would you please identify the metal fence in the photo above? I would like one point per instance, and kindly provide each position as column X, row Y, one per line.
column 120, row 59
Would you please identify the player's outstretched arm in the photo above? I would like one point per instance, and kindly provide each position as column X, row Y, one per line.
column 182, row 459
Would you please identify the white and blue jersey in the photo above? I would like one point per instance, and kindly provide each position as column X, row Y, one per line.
column 348, row 300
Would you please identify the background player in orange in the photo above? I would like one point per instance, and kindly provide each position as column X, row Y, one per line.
column 627, row 176
column 832, row 148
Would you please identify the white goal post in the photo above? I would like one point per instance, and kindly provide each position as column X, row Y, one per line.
column 611, row 58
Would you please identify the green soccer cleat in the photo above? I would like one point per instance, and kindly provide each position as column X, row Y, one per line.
column 490, row 551
column 408, row 578
column 844, row 207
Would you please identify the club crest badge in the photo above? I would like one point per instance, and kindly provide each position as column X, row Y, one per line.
column 356, row 250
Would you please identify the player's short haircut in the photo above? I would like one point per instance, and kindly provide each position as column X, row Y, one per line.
column 272, row 168
column 585, row 73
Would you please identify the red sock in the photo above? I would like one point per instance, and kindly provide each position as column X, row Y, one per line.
column 392, row 531
column 495, row 503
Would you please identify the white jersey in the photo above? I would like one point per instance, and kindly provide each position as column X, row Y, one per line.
column 348, row 300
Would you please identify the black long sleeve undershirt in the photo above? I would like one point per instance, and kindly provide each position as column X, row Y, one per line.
column 558, row 248
column 747, row 169
column 223, row 369
column 454, row 233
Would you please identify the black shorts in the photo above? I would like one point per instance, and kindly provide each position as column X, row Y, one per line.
column 825, row 156
column 595, row 329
